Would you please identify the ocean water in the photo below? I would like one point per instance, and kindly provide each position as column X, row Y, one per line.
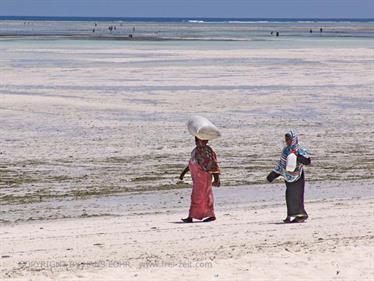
column 186, row 29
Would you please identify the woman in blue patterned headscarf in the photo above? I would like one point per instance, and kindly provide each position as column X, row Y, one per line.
column 294, row 180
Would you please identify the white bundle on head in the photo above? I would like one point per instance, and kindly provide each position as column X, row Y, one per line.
column 202, row 128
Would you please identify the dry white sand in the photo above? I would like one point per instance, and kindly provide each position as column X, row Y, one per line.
column 247, row 242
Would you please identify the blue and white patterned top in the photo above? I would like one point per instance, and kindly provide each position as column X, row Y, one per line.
column 293, row 148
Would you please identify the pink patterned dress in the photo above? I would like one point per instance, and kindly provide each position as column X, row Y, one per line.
column 202, row 165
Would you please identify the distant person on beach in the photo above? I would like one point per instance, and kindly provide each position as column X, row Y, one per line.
column 203, row 167
column 321, row 30
column 294, row 180
column 277, row 34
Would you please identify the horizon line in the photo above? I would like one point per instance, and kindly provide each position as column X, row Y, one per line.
column 185, row 17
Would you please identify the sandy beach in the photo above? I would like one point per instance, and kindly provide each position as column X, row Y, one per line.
column 146, row 241
column 94, row 137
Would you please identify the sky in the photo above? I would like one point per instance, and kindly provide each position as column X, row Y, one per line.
column 191, row 8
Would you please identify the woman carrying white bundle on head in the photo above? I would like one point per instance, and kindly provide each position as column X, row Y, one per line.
column 204, row 169
column 290, row 167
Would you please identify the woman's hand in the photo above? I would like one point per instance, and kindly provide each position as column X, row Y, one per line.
column 216, row 183
column 272, row 176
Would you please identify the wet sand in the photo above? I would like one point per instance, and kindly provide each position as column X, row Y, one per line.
column 96, row 118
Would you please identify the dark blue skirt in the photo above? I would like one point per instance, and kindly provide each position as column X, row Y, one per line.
column 295, row 197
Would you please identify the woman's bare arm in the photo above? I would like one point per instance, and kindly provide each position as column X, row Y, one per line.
column 183, row 173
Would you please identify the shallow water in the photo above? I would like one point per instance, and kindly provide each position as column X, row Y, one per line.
column 219, row 29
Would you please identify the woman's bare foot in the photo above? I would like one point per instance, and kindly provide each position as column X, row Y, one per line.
column 298, row 219
column 209, row 219
column 287, row 220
